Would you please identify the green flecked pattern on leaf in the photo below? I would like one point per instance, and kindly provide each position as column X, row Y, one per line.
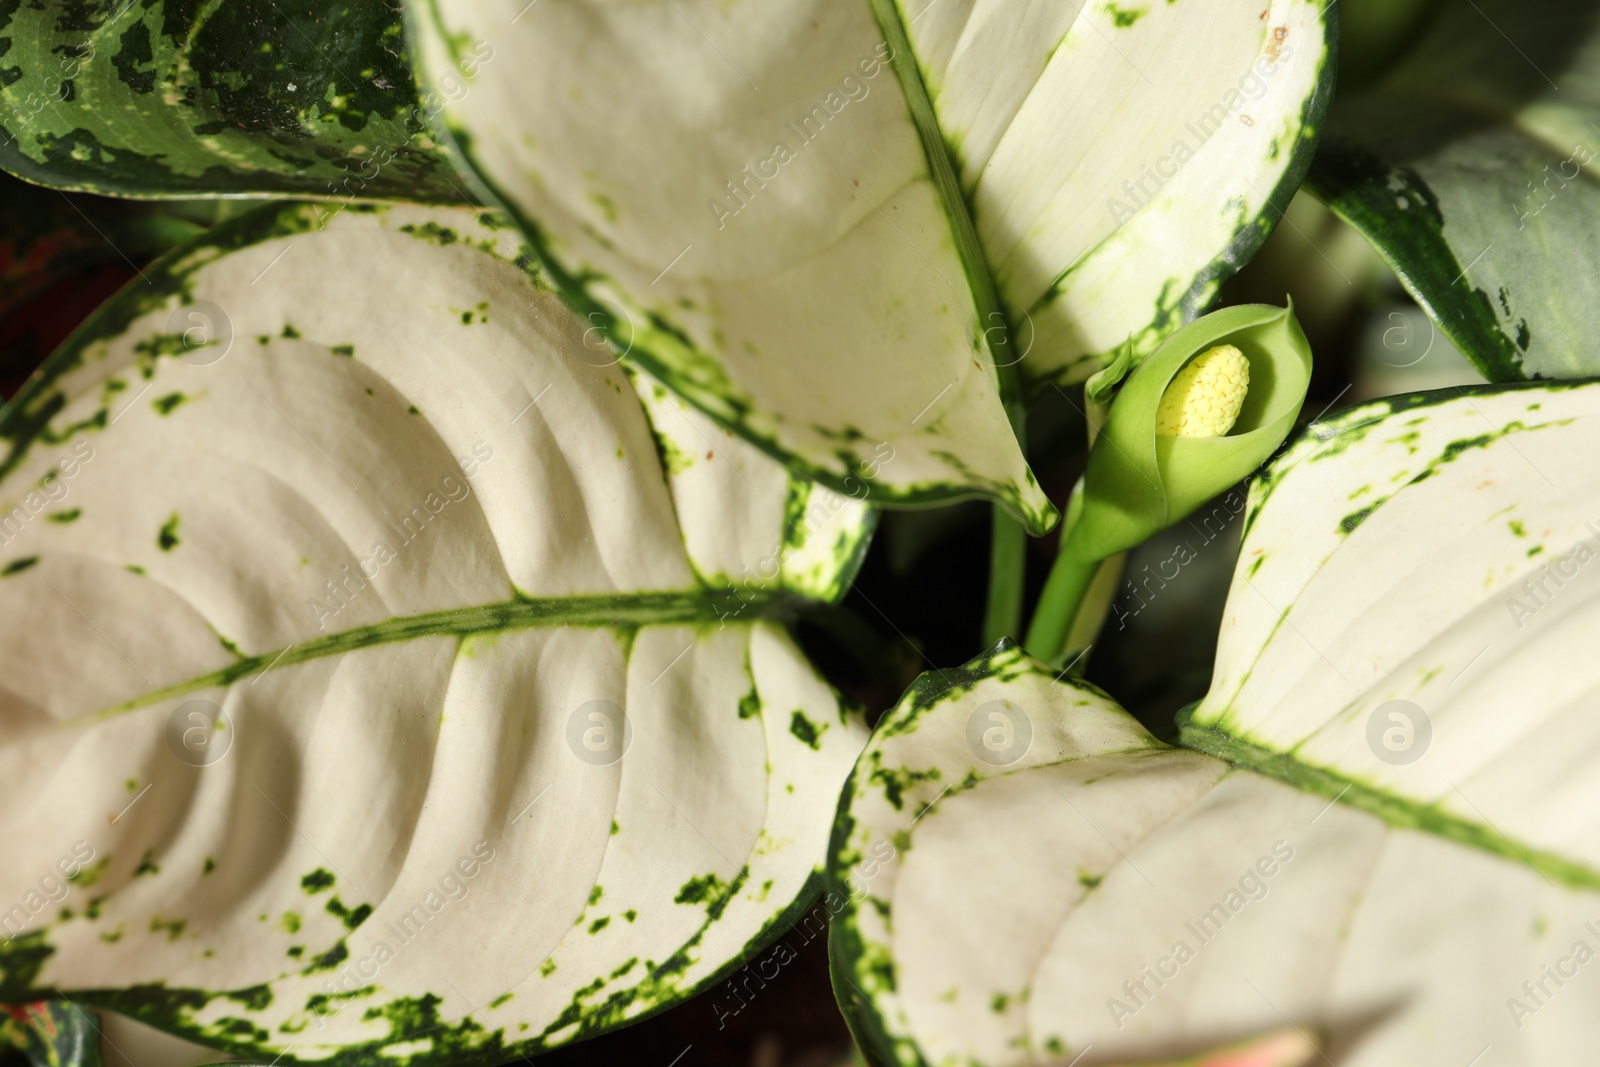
column 1474, row 176
column 238, row 97
column 825, row 534
column 471, row 593
column 822, row 311
column 1398, row 735
column 1126, row 884
column 957, row 736
column 1118, row 169
column 1442, row 618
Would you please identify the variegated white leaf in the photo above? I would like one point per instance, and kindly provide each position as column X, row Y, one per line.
column 1378, row 828
column 1120, row 160
column 844, row 228
column 391, row 675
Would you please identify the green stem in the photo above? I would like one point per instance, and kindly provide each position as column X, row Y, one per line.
column 1008, row 557
column 1069, row 579
column 1008, row 549
column 1096, row 604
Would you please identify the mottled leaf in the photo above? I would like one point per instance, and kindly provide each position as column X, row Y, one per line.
column 833, row 227
column 1378, row 829
column 392, row 676
column 830, row 321
column 173, row 98
column 1120, row 161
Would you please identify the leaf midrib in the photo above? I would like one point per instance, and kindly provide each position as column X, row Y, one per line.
column 621, row 611
column 1400, row 812
column 957, row 209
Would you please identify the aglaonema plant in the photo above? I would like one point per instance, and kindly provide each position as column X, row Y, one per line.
column 398, row 581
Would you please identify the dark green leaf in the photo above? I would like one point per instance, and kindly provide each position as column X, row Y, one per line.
column 1470, row 166
column 174, row 98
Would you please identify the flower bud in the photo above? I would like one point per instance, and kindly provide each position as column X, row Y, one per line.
column 1194, row 417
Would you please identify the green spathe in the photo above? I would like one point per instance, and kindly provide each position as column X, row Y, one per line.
column 1138, row 482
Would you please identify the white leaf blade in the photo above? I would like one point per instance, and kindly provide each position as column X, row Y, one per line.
column 1140, row 903
column 785, row 262
column 1369, row 601
column 1417, row 888
column 406, row 737
column 1120, row 161
column 824, row 535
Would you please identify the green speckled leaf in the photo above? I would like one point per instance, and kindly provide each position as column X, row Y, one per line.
column 1379, row 830
column 849, row 231
column 173, row 98
column 1471, row 166
column 392, row 676
column 1120, row 160
column 831, row 321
